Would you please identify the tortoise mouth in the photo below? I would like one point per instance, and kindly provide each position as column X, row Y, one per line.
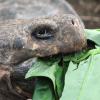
column 20, row 70
column 24, row 54
column 25, row 58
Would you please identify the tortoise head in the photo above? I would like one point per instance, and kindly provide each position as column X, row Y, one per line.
column 56, row 34
column 43, row 36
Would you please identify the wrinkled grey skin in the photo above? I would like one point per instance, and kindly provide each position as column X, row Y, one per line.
column 22, row 27
column 24, row 39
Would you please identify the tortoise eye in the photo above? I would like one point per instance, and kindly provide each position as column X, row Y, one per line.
column 43, row 32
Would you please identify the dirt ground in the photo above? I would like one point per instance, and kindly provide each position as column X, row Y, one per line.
column 89, row 11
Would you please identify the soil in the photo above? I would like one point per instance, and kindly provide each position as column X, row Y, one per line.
column 89, row 11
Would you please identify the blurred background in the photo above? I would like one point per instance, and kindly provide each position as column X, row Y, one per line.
column 89, row 11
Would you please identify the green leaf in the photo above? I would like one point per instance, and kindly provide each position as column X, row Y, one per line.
column 43, row 69
column 77, row 57
column 43, row 90
column 80, row 56
column 60, row 75
column 50, row 70
column 84, row 82
column 59, row 82
column 93, row 35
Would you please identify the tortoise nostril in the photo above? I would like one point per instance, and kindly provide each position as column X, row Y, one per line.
column 72, row 22
column 43, row 32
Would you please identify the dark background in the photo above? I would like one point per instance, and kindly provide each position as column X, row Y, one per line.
column 89, row 11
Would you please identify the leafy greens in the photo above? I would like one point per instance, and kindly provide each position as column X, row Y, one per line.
column 77, row 77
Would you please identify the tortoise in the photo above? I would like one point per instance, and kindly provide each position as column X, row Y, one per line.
column 31, row 29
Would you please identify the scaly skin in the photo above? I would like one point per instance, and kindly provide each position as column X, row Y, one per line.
column 24, row 39
column 54, row 29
